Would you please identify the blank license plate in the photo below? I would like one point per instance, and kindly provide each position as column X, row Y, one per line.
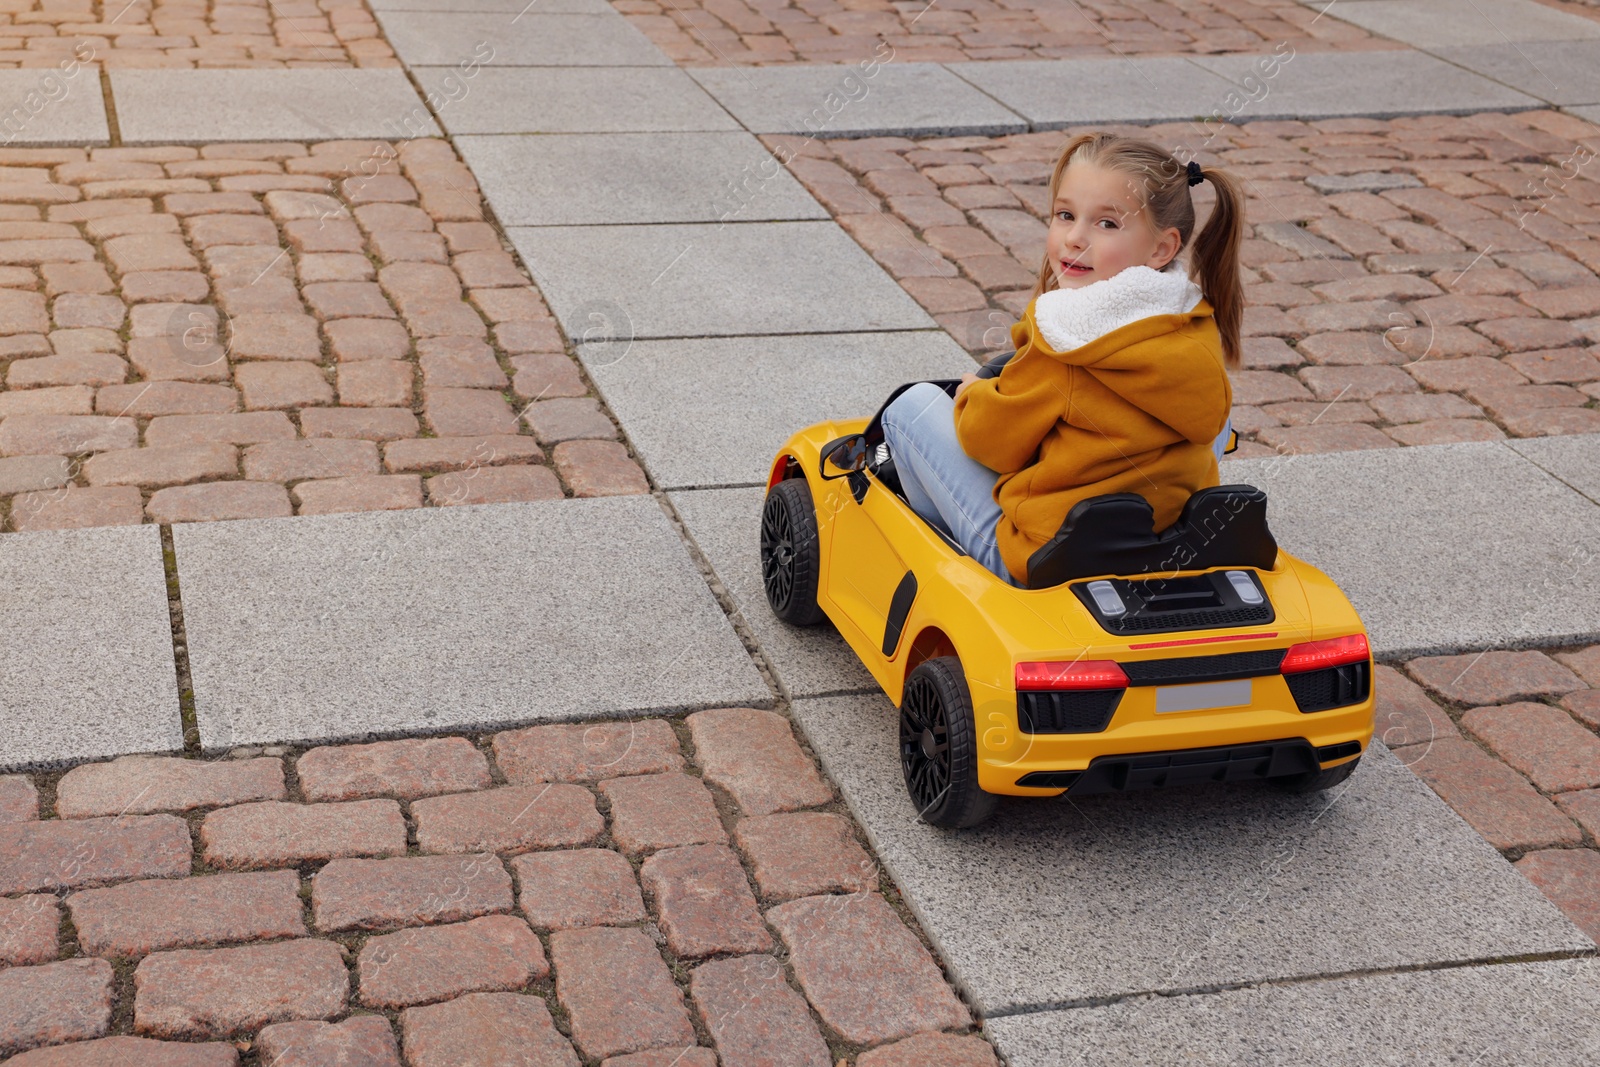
column 1203, row 696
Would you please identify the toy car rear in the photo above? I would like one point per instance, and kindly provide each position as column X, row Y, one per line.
column 1066, row 697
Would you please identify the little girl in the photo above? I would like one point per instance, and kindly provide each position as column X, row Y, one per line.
column 1119, row 382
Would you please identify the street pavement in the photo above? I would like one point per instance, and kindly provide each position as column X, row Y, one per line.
column 387, row 500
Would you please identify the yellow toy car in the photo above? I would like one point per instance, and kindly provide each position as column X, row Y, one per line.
column 1134, row 660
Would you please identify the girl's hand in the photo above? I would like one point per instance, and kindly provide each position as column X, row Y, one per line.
column 966, row 380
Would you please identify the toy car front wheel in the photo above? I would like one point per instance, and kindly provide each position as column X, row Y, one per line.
column 791, row 558
column 939, row 746
column 1316, row 781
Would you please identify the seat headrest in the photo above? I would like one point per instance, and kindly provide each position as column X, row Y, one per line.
column 1223, row 526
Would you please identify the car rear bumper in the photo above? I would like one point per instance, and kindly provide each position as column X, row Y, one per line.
column 1008, row 756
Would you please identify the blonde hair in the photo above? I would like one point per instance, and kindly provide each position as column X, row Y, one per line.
column 1163, row 183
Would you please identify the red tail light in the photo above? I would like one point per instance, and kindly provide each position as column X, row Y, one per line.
column 1335, row 652
column 1076, row 674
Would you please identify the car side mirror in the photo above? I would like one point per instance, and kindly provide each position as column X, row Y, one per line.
column 844, row 456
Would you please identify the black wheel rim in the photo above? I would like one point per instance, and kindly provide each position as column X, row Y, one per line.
column 924, row 743
column 777, row 552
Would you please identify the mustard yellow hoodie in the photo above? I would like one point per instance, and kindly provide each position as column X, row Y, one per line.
column 1132, row 410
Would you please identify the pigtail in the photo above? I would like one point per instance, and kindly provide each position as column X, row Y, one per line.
column 1215, row 262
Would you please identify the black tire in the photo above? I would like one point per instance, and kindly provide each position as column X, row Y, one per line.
column 939, row 746
column 791, row 558
column 1316, row 781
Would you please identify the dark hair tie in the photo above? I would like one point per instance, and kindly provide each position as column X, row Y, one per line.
column 1196, row 175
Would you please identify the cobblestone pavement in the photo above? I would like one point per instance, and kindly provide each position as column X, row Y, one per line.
column 1415, row 281
column 592, row 892
column 504, row 899
column 1508, row 740
column 191, row 33
column 698, row 33
column 244, row 331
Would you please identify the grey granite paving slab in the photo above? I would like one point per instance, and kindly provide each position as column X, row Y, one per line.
column 1530, row 1014
column 1055, row 903
column 1441, row 548
column 357, row 625
column 1374, row 84
column 160, row 106
column 1588, row 112
column 605, row 179
column 1575, row 459
column 1055, row 93
column 51, row 107
column 750, row 396
column 88, row 669
column 574, row 100
column 550, row 39
column 1441, row 23
column 626, row 282
column 726, row 525
column 1562, row 72
column 845, row 100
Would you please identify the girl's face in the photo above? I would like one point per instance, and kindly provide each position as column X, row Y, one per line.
column 1100, row 228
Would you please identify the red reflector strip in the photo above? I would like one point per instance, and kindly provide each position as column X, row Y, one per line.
column 1074, row 674
column 1334, row 652
column 1204, row 640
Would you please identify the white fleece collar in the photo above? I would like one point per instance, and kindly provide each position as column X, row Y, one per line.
column 1071, row 318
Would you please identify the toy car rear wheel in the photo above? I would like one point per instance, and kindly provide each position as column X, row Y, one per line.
column 791, row 558
column 1316, row 781
column 939, row 746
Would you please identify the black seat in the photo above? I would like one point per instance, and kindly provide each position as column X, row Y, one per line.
column 1223, row 526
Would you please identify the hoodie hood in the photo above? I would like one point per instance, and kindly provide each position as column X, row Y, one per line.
column 1146, row 335
column 1071, row 318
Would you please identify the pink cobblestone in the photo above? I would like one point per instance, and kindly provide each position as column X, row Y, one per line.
column 866, row 974
column 572, row 888
column 492, row 954
column 349, row 894
column 65, row 1001
column 19, row 800
column 66, row 854
column 617, row 991
column 138, row 918
column 804, row 854
column 405, row 770
column 219, row 992
column 360, row 1041
column 1570, row 877
column 931, row 1050
column 130, row 1052
column 662, row 811
column 139, row 785
column 703, row 901
column 580, row 753
column 754, row 1017
column 29, row 930
column 272, row 834
column 510, row 819
column 504, row 1029
column 754, row 756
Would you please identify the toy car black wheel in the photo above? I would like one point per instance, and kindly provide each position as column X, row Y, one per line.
column 939, row 746
column 1316, row 781
column 790, row 556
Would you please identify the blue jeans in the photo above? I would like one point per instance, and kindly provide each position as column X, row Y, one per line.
column 943, row 484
